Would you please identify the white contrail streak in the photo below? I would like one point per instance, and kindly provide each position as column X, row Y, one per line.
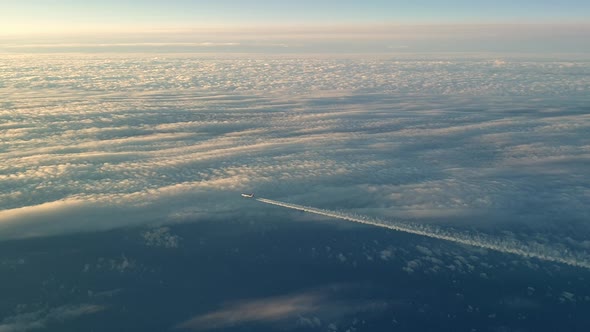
column 509, row 246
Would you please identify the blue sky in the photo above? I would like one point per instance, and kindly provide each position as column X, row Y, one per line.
column 302, row 11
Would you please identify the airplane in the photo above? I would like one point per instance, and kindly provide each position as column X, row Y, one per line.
column 248, row 195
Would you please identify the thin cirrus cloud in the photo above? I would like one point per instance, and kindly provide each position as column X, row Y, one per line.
column 261, row 310
column 95, row 142
column 301, row 308
column 45, row 318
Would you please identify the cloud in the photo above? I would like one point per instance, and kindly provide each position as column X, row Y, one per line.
column 161, row 237
column 263, row 310
column 44, row 318
column 322, row 304
column 94, row 142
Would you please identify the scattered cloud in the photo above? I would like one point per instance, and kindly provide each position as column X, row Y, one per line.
column 161, row 237
column 120, row 264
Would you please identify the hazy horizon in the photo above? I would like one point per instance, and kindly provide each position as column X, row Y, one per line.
column 273, row 27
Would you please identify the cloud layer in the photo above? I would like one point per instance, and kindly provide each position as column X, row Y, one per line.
column 98, row 142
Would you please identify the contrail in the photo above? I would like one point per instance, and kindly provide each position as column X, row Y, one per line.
column 508, row 246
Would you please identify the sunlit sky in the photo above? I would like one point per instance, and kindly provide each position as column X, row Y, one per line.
column 227, row 21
